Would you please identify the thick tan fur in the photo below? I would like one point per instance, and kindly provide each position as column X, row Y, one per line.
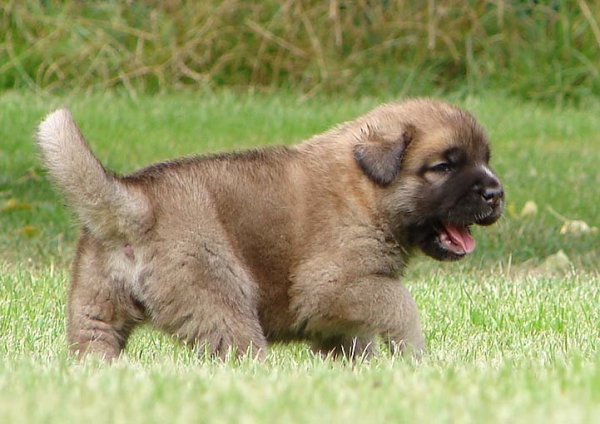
column 230, row 252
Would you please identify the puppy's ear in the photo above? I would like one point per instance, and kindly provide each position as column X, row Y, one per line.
column 380, row 158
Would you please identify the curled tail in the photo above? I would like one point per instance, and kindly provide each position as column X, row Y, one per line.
column 106, row 205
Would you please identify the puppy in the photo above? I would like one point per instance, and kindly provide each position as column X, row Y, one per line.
column 232, row 251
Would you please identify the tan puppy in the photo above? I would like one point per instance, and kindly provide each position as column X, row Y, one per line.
column 232, row 251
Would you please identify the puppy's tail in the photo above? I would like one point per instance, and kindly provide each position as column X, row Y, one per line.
column 106, row 205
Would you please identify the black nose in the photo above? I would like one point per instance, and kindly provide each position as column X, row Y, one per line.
column 492, row 195
column 490, row 189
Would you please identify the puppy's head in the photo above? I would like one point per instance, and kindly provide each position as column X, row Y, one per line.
column 431, row 161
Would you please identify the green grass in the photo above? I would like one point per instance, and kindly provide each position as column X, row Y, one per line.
column 509, row 340
column 544, row 50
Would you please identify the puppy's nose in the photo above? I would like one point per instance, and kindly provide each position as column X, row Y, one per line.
column 490, row 189
column 493, row 195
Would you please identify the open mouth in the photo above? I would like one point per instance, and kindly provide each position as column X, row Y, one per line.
column 444, row 240
column 456, row 239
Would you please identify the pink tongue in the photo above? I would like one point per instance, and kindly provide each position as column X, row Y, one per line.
column 461, row 237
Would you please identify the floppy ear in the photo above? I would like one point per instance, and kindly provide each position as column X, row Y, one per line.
column 380, row 159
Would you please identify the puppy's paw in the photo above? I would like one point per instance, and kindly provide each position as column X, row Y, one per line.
column 406, row 348
column 345, row 347
column 225, row 346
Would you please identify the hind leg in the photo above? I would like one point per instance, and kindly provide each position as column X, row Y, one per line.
column 203, row 295
column 97, row 324
column 101, row 312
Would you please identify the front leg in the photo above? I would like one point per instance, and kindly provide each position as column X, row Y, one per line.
column 363, row 307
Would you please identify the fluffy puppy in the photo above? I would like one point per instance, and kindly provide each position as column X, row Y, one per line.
column 229, row 252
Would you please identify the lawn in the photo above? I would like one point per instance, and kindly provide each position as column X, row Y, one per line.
column 512, row 330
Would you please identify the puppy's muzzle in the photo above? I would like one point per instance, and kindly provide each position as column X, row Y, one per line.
column 491, row 191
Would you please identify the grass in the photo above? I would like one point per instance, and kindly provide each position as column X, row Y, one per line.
column 510, row 339
column 335, row 46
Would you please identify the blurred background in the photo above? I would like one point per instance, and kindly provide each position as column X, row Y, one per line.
column 548, row 51
column 151, row 79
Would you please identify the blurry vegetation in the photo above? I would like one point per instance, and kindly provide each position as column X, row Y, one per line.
column 546, row 50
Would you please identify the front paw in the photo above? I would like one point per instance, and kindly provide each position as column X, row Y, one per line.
column 346, row 347
column 410, row 347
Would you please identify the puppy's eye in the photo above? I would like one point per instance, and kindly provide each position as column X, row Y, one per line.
column 442, row 167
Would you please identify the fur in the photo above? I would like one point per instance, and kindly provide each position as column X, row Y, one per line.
column 233, row 251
